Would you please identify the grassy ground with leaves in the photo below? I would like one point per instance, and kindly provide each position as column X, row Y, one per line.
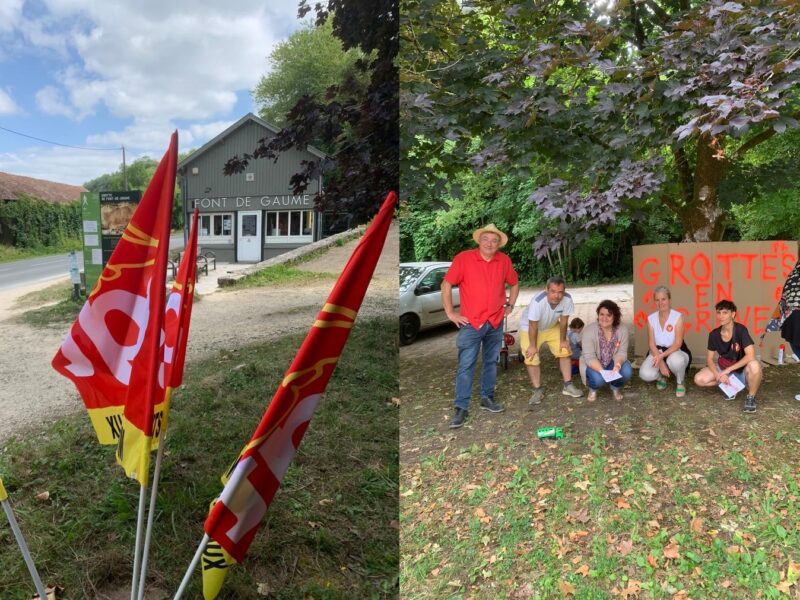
column 650, row 497
column 331, row 532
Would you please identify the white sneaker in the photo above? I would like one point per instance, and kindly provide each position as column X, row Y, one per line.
column 797, row 397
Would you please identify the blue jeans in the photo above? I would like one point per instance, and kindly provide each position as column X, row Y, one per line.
column 469, row 342
column 594, row 381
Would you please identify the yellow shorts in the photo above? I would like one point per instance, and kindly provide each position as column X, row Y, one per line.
column 551, row 337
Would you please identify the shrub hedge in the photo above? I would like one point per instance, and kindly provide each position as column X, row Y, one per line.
column 30, row 223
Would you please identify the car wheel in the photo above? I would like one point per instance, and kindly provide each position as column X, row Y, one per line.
column 409, row 328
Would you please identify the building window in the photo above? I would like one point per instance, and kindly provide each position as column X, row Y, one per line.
column 290, row 226
column 215, row 228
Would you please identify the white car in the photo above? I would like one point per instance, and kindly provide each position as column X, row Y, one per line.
column 421, row 298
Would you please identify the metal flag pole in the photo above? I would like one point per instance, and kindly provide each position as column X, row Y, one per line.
column 192, row 567
column 137, row 554
column 37, row 581
column 151, row 511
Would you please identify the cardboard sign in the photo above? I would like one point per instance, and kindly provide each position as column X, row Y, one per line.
column 751, row 274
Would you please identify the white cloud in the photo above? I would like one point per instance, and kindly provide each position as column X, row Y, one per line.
column 125, row 73
column 167, row 60
column 51, row 102
column 64, row 165
column 7, row 104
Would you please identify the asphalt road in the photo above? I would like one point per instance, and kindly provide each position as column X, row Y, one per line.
column 44, row 268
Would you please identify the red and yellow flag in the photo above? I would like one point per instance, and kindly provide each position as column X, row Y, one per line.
column 113, row 352
column 234, row 519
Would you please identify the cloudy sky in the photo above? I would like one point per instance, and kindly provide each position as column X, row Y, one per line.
column 112, row 73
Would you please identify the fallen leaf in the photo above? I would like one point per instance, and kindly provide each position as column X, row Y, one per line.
column 633, row 589
column 262, row 589
column 734, row 549
column 583, row 570
column 680, row 595
column 726, row 583
column 396, row 401
column 325, row 502
column 566, row 588
column 544, row 491
column 435, row 572
column 697, row 525
column 650, row 469
column 648, row 488
column 454, row 583
column 625, row 547
column 582, row 515
column 784, row 587
column 651, row 559
column 43, row 497
column 622, row 503
column 628, row 493
column 582, row 485
column 671, row 551
column 479, row 512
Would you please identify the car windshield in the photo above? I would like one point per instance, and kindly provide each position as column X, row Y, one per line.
column 409, row 275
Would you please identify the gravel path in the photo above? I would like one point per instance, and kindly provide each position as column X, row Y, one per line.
column 32, row 394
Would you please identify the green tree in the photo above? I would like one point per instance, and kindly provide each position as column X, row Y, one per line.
column 306, row 64
column 361, row 125
column 138, row 173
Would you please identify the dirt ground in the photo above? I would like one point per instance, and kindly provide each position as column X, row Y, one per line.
column 427, row 371
column 33, row 394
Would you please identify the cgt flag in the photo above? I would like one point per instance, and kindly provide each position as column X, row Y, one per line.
column 113, row 352
column 233, row 520
column 177, row 317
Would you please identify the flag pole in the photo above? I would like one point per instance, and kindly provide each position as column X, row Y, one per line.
column 137, row 554
column 192, row 567
column 151, row 511
column 12, row 520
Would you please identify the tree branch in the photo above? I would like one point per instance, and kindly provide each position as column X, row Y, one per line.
column 638, row 31
column 684, row 173
column 663, row 16
column 758, row 139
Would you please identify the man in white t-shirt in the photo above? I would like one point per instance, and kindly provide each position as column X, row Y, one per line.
column 544, row 321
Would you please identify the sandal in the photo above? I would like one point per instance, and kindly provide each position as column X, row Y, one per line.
column 591, row 396
column 661, row 384
column 617, row 394
column 680, row 391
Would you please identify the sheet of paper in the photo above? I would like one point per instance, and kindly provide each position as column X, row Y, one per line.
column 97, row 256
column 733, row 387
column 609, row 375
column 90, row 226
column 91, row 239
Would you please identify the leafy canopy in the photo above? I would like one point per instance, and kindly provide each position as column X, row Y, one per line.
column 360, row 124
column 623, row 103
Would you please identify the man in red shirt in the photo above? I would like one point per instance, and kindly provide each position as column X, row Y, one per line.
column 481, row 276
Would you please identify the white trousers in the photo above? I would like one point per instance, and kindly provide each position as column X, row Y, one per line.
column 677, row 362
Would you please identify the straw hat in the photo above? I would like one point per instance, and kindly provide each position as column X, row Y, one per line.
column 490, row 228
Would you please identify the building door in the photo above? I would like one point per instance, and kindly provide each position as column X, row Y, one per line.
column 248, row 239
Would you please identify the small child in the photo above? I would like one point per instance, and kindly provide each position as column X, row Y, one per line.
column 574, row 338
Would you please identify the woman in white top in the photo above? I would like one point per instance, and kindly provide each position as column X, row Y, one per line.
column 668, row 352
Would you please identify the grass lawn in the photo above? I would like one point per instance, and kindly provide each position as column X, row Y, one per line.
column 10, row 253
column 283, row 274
column 331, row 532
column 651, row 497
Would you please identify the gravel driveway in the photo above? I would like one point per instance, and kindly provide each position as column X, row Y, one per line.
column 32, row 394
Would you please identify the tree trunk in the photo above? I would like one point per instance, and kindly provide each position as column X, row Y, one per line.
column 703, row 219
